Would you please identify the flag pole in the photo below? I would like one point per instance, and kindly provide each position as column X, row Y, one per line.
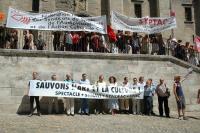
column 186, row 76
column 148, row 39
column 171, row 10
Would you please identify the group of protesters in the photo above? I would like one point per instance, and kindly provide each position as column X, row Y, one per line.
column 142, row 106
column 184, row 52
column 114, row 42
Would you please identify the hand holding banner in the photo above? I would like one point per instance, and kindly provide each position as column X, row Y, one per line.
column 75, row 90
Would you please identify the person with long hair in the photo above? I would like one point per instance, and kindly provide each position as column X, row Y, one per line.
column 113, row 104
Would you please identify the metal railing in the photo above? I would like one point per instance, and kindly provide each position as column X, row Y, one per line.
column 8, row 40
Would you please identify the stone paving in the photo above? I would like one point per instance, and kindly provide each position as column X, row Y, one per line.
column 13, row 123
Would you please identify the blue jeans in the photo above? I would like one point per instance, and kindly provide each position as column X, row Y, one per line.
column 147, row 105
column 84, row 106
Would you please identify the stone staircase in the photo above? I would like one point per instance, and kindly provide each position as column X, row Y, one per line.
column 16, row 67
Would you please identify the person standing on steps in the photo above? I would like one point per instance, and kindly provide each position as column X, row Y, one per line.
column 180, row 98
column 163, row 95
column 35, row 77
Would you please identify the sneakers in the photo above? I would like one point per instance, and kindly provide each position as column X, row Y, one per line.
column 87, row 114
column 31, row 114
column 103, row 113
column 180, row 118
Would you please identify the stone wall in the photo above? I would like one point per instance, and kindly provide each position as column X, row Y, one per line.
column 16, row 68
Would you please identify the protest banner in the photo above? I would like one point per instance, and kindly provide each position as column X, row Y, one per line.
column 197, row 42
column 146, row 24
column 55, row 21
column 75, row 90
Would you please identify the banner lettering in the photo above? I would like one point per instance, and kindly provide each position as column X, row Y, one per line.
column 146, row 24
column 55, row 21
column 75, row 90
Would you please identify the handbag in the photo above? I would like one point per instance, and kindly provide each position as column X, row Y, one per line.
column 168, row 92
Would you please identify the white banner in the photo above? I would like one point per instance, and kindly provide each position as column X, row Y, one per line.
column 75, row 90
column 146, row 24
column 58, row 20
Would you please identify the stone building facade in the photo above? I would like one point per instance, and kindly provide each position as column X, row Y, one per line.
column 17, row 66
column 187, row 11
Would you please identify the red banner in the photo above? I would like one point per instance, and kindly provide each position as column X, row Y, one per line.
column 197, row 41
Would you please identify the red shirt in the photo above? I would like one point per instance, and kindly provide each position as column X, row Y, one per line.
column 95, row 41
column 75, row 39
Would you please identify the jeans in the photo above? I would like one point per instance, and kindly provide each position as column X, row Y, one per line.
column 147, row 105
column 84, row 106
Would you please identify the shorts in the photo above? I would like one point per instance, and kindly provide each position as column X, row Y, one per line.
column 181, row 103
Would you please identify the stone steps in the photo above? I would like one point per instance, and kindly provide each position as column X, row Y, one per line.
column 5, row 92
column 11, row 99
column 9, row 108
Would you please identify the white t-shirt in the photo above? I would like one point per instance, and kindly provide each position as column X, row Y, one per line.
column 86, row 82
column 100, row 83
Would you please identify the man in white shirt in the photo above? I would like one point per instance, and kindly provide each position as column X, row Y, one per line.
column 124, row 103
column 141, row 83
column 84, row 101
column 136, row 102
column 99, row 103
column 53, row 99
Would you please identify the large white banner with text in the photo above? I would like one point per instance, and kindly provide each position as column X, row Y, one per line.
column 58, row 20
column 146, row 24
column 75, row 90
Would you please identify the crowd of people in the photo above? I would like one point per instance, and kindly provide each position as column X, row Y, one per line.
column 126, row 106
column 184, row 52
column 114, row 42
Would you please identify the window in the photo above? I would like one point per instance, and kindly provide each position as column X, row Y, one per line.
column 35, row 5
column 154, row 8
column 188, row 14
column 188, row 11
column 138, row 10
